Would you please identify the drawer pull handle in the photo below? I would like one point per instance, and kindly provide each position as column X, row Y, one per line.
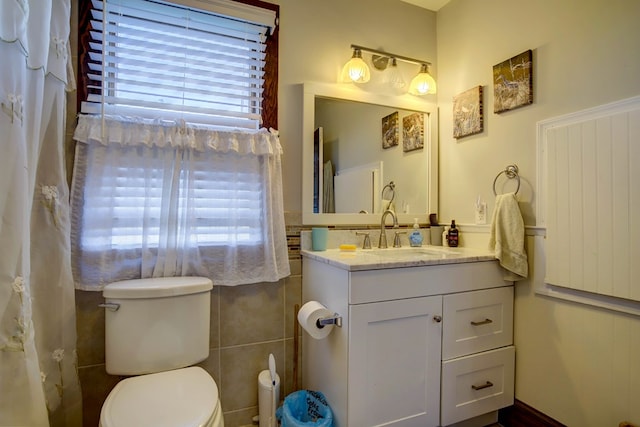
column 480, row 387
column 484, row 322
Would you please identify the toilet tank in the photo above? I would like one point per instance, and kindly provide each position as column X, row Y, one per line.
column 159, row 324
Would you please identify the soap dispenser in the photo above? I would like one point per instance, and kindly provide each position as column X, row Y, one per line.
column 452, row 235
column 415, row 238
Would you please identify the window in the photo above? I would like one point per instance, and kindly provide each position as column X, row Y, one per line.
column 164, row 182
column 149, row 58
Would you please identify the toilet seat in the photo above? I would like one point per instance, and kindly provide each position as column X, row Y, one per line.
column 182, row 397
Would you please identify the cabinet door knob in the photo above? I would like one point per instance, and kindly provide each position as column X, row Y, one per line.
column 437, row 318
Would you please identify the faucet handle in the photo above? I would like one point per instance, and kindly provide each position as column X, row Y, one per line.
column 366, row 244
column 396, row 239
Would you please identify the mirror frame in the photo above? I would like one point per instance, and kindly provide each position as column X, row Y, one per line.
column 351, row 93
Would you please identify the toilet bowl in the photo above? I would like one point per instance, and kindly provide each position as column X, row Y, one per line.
column 155, row 330
column 186, row 397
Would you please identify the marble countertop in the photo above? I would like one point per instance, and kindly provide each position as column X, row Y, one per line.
column 377, row 259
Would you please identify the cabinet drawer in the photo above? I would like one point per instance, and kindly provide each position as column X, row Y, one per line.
column 399, row 283
column 477, row 321
column 477, row 384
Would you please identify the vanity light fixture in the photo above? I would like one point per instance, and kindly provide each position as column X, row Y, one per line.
column 356, row 70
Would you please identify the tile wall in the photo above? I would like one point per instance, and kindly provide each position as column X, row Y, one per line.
column 247, row 323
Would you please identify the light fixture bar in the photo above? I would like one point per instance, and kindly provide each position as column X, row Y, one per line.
column 391, row 55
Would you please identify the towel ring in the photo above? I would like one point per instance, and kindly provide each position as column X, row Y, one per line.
column 510, row 172
column 392, row 188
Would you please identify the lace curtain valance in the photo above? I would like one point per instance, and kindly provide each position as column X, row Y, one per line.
column 127, row 131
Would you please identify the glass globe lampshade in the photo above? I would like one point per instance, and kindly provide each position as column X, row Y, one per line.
column 393, row 76
column 422, row 83
column 356, row 69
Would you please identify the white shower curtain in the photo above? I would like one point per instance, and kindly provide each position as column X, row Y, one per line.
column 38, row 375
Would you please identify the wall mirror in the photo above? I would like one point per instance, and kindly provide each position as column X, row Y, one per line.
column 355, row 144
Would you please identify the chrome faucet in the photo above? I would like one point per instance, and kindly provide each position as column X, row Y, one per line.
column 382, row 242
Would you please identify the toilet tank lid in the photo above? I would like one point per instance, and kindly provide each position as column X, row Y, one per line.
column 157, row 287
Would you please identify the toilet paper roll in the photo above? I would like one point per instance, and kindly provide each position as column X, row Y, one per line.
column 309, row 314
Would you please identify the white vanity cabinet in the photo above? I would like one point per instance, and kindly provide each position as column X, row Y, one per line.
column 418, row 345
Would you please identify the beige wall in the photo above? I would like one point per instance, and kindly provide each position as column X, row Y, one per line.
column 585, row 53
column 578, row 364
column 315, row 40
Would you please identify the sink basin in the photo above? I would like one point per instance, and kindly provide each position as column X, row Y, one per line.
column 413, row 253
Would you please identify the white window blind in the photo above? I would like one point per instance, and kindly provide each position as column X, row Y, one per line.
column 156, row 59
column 206, row 196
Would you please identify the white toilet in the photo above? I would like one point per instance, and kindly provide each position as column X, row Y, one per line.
column 155, row 329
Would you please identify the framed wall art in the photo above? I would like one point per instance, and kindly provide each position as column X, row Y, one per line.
column 390, row 130
column 513, row 83
column 413, row 132
column 467, row 113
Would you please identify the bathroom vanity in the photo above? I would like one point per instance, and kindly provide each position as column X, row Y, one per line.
column 426, row 337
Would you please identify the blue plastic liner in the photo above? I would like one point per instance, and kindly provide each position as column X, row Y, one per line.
column 305, row 408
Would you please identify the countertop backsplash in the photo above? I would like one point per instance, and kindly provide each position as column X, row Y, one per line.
column 339, row 237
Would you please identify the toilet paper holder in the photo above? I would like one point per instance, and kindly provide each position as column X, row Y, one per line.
column 336, row 319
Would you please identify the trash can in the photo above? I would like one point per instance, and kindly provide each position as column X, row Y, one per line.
column 305, row 408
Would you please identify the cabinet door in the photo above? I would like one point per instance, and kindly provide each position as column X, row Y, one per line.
column 394, row 363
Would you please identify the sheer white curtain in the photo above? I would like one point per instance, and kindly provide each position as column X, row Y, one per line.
column 161, row 198
column 38, row 378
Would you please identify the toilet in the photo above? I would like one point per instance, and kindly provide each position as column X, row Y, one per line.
column 155, row 330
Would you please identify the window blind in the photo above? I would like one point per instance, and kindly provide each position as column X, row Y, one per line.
column 209, row 198
column 155, row 59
